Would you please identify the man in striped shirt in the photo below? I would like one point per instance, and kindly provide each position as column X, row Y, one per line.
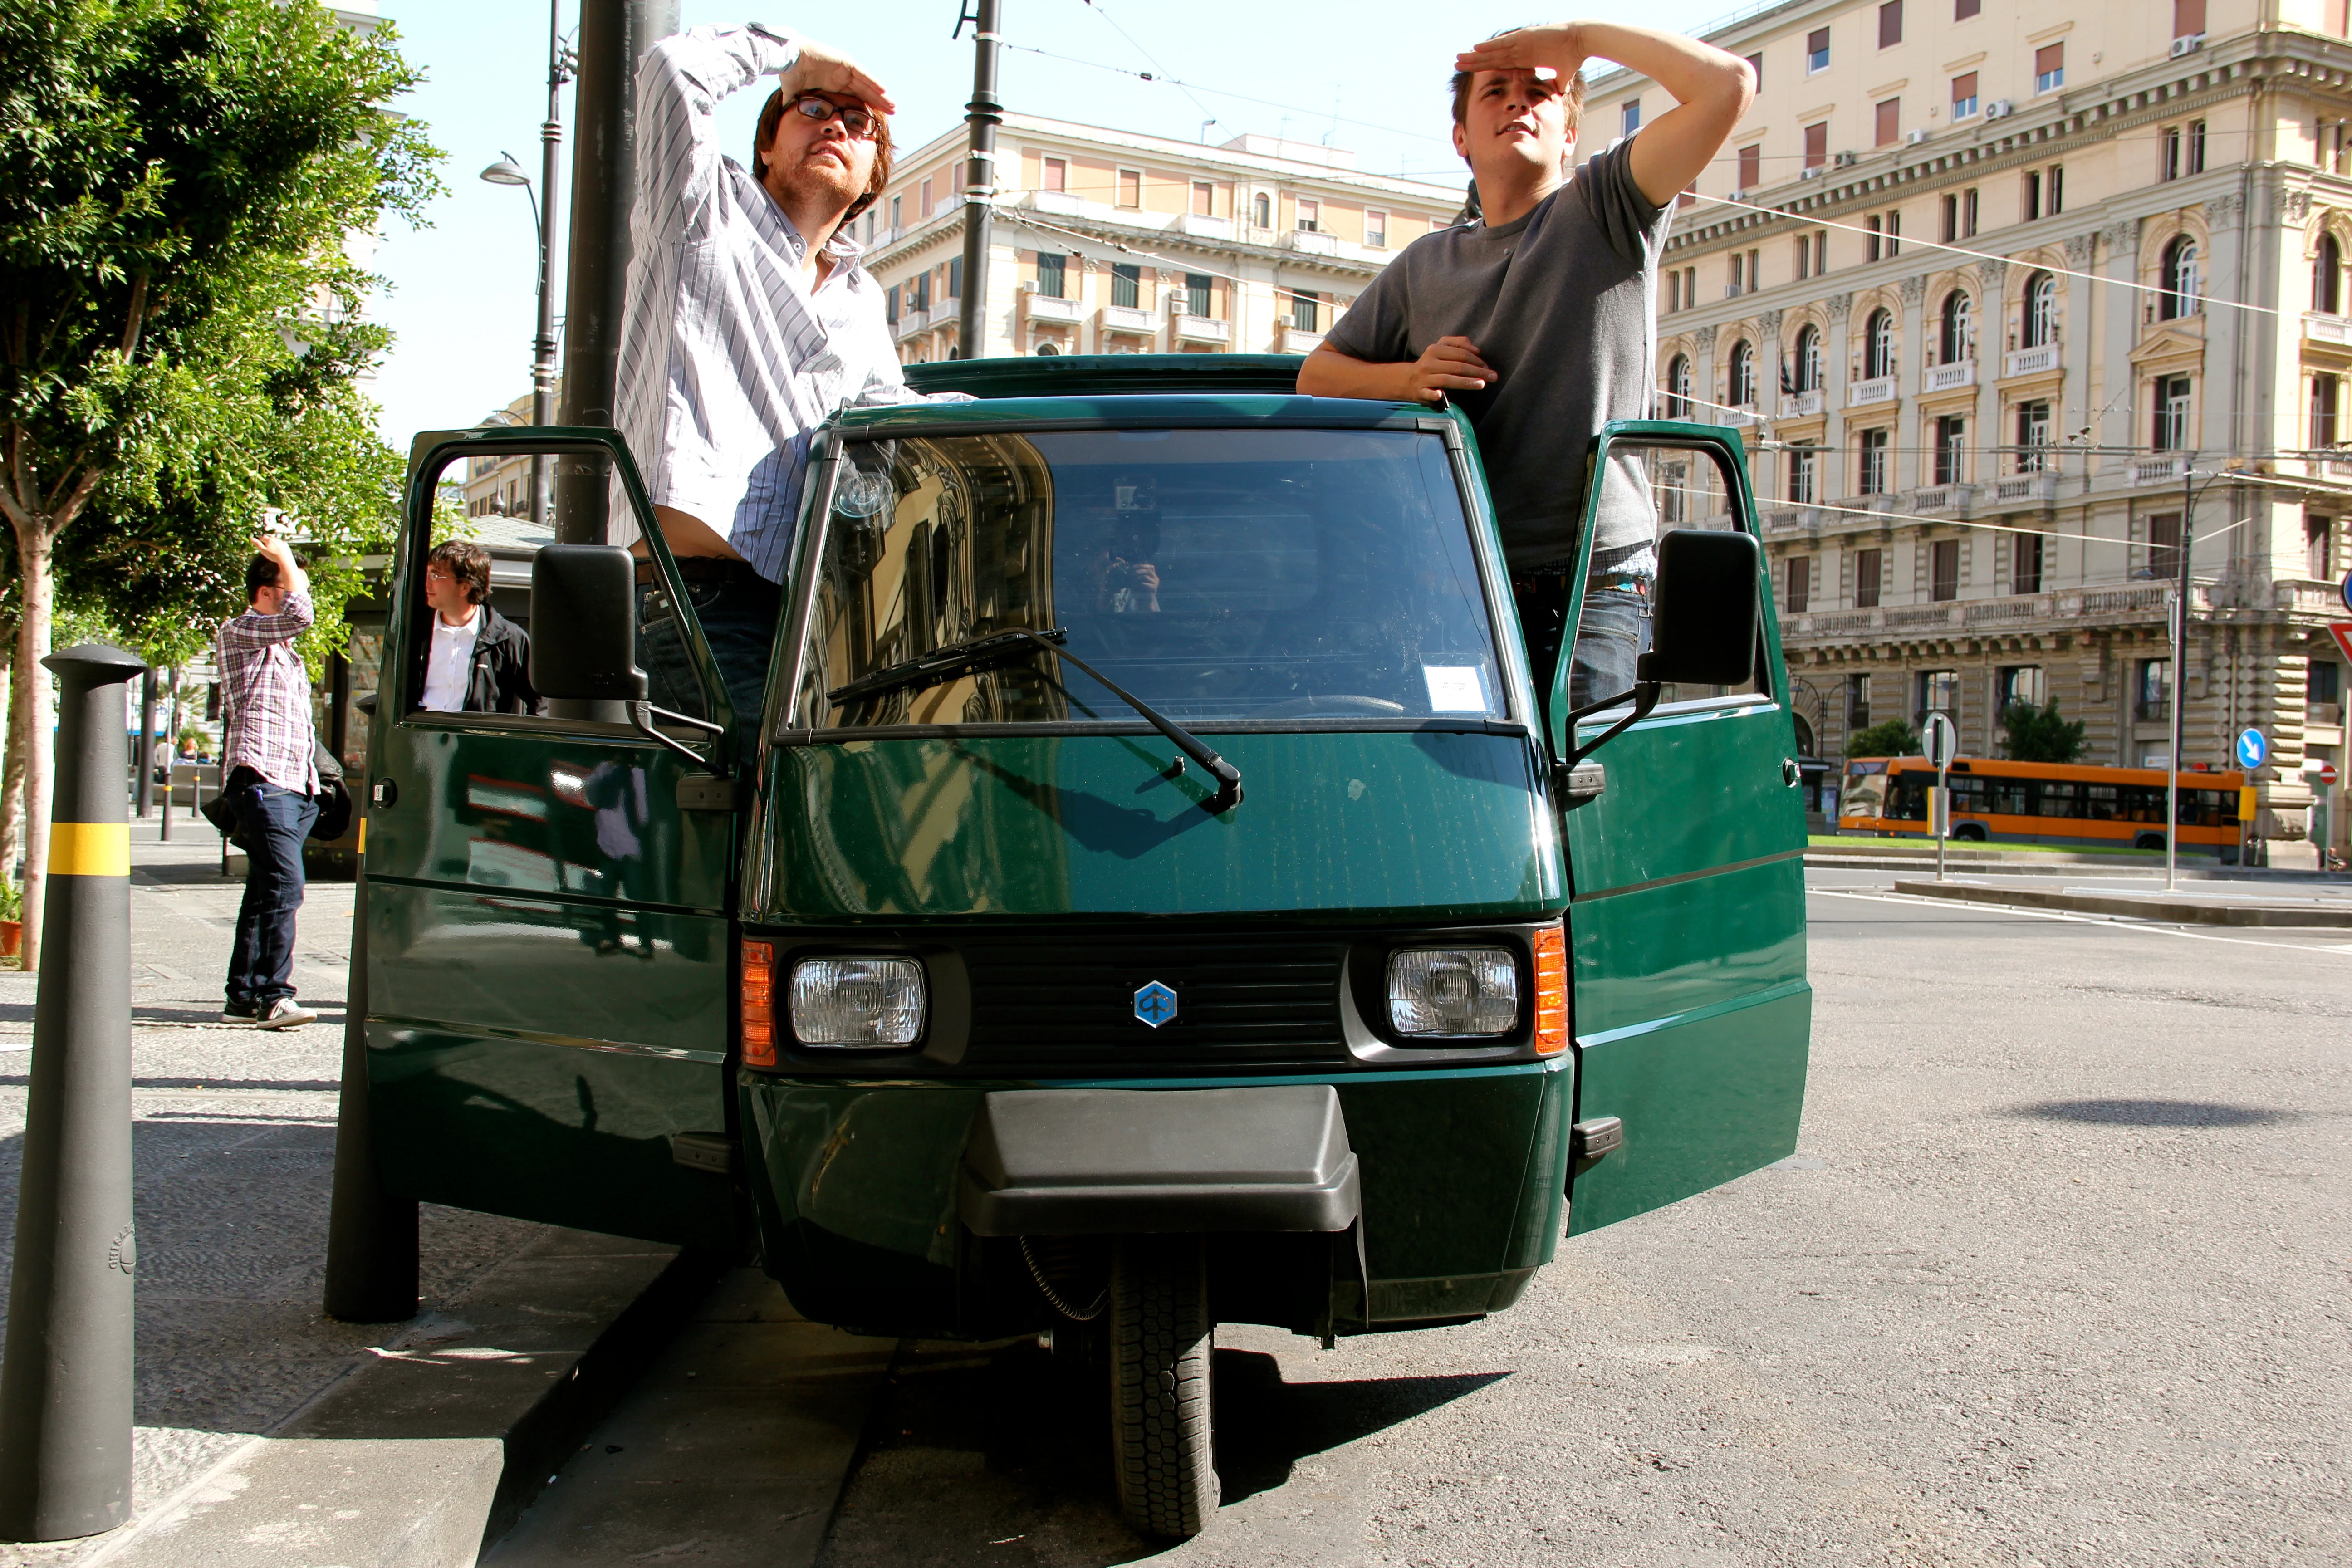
column 748, row 323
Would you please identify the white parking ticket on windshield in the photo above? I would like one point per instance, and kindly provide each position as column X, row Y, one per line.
column 1454, row 688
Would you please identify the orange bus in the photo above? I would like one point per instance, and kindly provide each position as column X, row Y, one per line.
column 2042, row 803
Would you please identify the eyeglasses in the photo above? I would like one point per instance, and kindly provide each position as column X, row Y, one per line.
column 856, row 118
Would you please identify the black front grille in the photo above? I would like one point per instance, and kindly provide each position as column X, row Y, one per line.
column 1051, row 998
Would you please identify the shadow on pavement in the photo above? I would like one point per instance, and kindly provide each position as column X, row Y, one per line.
column 1265, row 1426
column 2154, row 1112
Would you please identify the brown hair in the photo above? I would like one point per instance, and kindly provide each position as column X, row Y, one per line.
column 468, row 562
column 1571, row 114
column 773, row 115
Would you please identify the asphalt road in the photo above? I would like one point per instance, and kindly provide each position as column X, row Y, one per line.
column 2058, row 1277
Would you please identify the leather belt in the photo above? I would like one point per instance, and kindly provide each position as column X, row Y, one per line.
column 705, row 569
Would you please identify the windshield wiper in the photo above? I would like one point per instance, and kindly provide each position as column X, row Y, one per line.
column 958, row 659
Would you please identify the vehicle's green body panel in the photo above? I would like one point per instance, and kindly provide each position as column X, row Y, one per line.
column 1041, row 826
column 855, row 1187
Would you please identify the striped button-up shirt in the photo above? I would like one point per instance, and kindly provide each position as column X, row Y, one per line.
column 267, row 695
column 728, row 360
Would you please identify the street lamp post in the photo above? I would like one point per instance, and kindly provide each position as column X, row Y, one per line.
column 506, row 171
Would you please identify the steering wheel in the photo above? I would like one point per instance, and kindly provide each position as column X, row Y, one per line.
column 1302, row 707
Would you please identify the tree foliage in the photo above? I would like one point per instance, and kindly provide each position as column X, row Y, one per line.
column 1887, row 737
column 2032, row 734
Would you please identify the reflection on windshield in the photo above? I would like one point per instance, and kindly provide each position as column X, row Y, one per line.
column 1221, row 575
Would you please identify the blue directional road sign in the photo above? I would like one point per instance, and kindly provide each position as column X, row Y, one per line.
column 2252, row 750
column 1155, row 1004
column 2344, row 590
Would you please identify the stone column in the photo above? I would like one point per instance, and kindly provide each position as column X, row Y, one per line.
column 1910, row 372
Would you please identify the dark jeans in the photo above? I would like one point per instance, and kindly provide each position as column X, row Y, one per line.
column 737, row 616
column 271, row 823
column 1610, row 643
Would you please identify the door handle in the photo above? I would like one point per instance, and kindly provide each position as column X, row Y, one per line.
column 1791, row 774
column 384, row 792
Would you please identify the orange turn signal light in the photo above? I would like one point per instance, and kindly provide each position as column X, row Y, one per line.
column 759, row 1012
column 1551, row 990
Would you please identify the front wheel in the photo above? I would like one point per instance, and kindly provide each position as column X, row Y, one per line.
column 1161, row 1345
column 2148, row 841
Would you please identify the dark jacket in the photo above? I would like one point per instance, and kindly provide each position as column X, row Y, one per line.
column 501, row 681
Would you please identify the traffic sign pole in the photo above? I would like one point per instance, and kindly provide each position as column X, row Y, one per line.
column 1942, row 744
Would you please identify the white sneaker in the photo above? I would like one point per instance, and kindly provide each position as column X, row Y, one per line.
column 285, row 1013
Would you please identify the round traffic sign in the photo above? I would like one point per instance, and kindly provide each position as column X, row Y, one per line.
column 2254, row 751
column 2320, row 772
column 2344, row 590
column 1939, row 740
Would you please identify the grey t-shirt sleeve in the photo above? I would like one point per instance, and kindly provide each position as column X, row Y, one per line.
column 1634, row 226
column 1374, row 327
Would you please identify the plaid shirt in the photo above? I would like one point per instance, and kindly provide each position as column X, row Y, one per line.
column 265, row 693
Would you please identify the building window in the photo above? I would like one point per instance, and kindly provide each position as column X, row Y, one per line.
column 1808, row 369
column 2054, row 188
column 1885, row 237
column 1817, row 145
column 2018, row 683
column 1629, row 117
column 1956, row 335
column 1742, row 390
column 2032, row 437
column 1857, row 690
column 1799, row 584
column 1127, row 285
column 1869, row 574
column 1052, row 275
column 2322, row 688
column 1058, row 173
column 2164, row 546
column 2025, row 564
column 1964, row 95
column 1944, row 570
column 1802, row 470
column 927, row 205
column 1751, row 166
column 1961, row 215
column 2039, row 327
column 1678, row 387
column 895, row 223
column 1890, row 24
column 1302, row 311
column 1756, row 69
column 918, row 293
column 1309, row 216
column 1375, row 228
column 1940, row 692
column 1878, row 346
column 1674, row 291
column 2152, row 699
column 1810, row 253
column 2167, row 154
column 2050, row 67
column 1197, row 301
column 1690, row 287
column 1131, row 187
column 955, row 278
column 1887, row 123
column 1951, row 449
column 1262, row 210
column 1964, row 9
column 2171, row 414
column 2319, row 547
column 1817, row 50
column 1872, row 475
column 2325, row 389
column 2188, row 19
column 2196, row 146
column 2328, row 277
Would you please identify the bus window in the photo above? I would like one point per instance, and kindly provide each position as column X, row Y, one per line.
column 2059, row 797
column 1906, row 796
column 2102, row 805
column 1968, row 793
column 2141, row 803
column 2010, row 796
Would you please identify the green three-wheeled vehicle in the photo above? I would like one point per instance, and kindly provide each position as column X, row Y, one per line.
column 1149, row 894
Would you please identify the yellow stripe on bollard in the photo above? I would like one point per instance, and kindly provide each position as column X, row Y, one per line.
column 90, row 849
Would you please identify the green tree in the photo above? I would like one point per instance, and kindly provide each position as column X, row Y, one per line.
column 179, row 183
column 2032, row 734
column 1887, row 737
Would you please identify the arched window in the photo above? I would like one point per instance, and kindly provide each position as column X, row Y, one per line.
column 2179, row 285
column 1743, row 375
column 1878, row 346
column 2041, row 312
column 1808, row 359
column 2328, row 277
column 1956, row 337
column 1262, row 210
column 1678, row 388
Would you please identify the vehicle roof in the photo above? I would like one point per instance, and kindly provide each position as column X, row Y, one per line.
column 1197, row 408
column 2002, row 767
column 1080, row 375
column 1130, row 389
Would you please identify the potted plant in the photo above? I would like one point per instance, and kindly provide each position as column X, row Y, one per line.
column 11, row 917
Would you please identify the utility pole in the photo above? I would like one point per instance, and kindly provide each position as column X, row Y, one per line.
column 613, row 35
column 2180, row 677
column 542, row 347
column 985, row 113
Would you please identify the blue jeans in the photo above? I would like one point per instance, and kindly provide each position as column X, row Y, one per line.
column 1614, row 634
column 272, row 824
column 737, row 619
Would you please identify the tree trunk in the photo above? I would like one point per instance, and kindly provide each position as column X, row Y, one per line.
column 29, row 697
column 12, row 764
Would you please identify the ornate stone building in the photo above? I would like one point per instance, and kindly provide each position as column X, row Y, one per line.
column 2010, row 303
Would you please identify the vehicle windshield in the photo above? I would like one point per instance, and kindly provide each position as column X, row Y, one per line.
column 1222, row 576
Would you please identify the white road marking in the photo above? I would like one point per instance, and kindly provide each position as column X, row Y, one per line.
column 2112, row 922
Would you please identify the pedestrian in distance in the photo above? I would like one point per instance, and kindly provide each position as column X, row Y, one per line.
column 1538, row 317
column 270, row 779
column 478, row 661
column 747, row 321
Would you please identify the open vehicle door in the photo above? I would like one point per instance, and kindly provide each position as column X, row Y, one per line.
column 1686, row 924
column 547, row 902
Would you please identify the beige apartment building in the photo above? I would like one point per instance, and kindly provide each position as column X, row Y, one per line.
column 1979, row 459
column 1110, row 242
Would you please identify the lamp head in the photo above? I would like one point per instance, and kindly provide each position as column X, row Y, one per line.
column 505, row 173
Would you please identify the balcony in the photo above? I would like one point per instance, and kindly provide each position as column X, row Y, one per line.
column 1746, row 414
column 2325, row 327
column 912, row 321
column 1201, row 329
column 2323, row 713
column 2024, row 487
column 2060, row 608
column 2159, row 471
column 2031, row 361
column 1794, row 518
column 1125, row 318
column 1298, row 340
column 1200, row 225
column 1053, row 308
column 1062, row 202
column 1949, row 377
column 1943, row 498
column 1801, row 405
column 1878, row 389
column 1308, row 242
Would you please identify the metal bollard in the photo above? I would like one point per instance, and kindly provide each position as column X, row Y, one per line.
column 65, row 1384
column 371, row 1234
column 171, row 782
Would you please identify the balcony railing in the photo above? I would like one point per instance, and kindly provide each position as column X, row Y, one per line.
column 1745, row 413
column 1943, row 498
column 1062, row 202
column 1878, row 389
column 1124, row 318
column 1202, row 225
column 2063, row 607
column 2031, row 361
column 2323, row 713
column 1298, row 340
column 1800, row 404
column 1201, row 329
column 1308, row 242
column 2024, row 487
column 2326, row 327
column 1053, row 308
column 1947, row 377
column 2158, row 470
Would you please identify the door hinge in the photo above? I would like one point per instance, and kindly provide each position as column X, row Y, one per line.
column 1579, row 784
column 705, row 791
column 1590, row 1140
column 703, row 1151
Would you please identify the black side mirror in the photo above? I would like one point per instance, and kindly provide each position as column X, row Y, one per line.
column 1703, row 611
column 583, row 631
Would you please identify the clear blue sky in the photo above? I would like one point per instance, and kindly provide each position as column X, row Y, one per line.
column 462, row 296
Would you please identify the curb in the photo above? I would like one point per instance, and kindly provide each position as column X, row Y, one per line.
column 2171, row 911
column 424, row 1455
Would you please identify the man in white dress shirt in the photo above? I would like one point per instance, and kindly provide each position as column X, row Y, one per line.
column 747, row 321
column 476, row 659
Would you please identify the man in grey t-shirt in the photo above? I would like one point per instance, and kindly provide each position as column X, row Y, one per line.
column 1539, row 318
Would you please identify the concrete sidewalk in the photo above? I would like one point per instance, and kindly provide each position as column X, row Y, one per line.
column 2205, row 902
column 234, row 1148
